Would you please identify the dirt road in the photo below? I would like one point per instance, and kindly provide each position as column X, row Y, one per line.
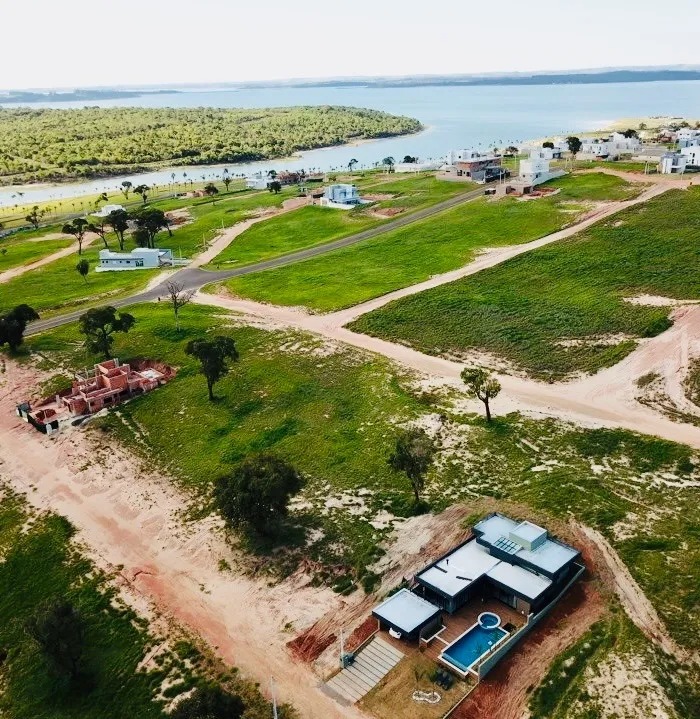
column 174, row 564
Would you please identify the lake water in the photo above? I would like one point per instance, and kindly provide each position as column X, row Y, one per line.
column 455, row 117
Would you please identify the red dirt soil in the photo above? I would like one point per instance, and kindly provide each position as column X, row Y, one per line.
column 310, row 645
column 365, row 630
column 504, row 692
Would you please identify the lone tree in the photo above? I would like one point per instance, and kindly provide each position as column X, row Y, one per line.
column 574, row 144
column 213, row 355
column 209, row 702
column 413, row 455
column 226, row 179
column 409, row 159
column 179, row 297
column 99, row 324
column 118, row 220
column 142, row 190
column 126, row 188
column 57, row 628
column 77, row 227
column 482, row 385
column 257, row 493
column 352, row 164
column 14, row 323
column 211, row 190
column 275, row 186
column 151, row 221
column 82, row 268
column 100, row 230
column 102, row 198
column 630, row 132
column 389, row 163
column 34, row 217
column 549, row 144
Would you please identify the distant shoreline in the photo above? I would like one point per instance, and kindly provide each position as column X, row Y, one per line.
column 521, row 79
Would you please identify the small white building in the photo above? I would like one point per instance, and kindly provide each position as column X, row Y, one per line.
column 686, row 137
column 418, row 166
column 672, row 163
column 141, row 258
column 341, row 196
column 621, row 144
column 469, row 155
column 258, row 181
column 534, row 170
column 106, row 210
column 545, row 153
column 692, row 155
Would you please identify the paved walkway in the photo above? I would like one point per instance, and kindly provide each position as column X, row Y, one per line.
column 371, row 665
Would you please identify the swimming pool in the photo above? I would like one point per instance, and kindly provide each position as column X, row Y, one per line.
column 468, row 648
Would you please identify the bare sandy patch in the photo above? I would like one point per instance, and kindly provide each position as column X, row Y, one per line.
column 658, row 301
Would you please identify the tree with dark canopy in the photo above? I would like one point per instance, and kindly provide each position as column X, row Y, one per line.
column 99, row 324
column 211, row 190
column 209, row 702
column 57, row 628
column 213, row 355
column 151, row 221
column 257, row 493
column 34, row 217
column 275, row 186
column 574, row 144
column 100, row 230
column 13, row 324
column 77, row 228
column 118, row 220
column 126, row 188
column 413, row 455
column 142, row 190
column 82, row 268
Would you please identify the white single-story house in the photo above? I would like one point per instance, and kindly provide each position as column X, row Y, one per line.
column 341, row 196
column 258, row 181
column 685, row 137
column 419, row 166
column 469, row 155
column 692, row 155
column 141, row 258
column 672, row 163
column 106, row 210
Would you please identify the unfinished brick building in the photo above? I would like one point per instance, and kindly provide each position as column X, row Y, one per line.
column 107, row 384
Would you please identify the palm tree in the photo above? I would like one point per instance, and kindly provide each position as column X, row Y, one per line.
column 352, row 164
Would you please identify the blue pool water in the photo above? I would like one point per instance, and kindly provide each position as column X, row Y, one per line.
column 470, row 646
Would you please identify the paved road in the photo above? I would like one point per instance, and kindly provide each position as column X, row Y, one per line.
column 194, row 278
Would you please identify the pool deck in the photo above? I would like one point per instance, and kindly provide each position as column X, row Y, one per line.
column 455, row 625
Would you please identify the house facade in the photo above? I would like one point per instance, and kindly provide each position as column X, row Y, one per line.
column 141, row 258
column 463, row 163
column 672, row 163
column 685, row 137
column 691, row 153
column 341, row 196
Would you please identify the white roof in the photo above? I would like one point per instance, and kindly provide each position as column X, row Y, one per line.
column 406, row 610
column 519, row 579
column 460, row 568
column 106, row 209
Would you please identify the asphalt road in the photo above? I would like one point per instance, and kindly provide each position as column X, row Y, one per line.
column 194, row 278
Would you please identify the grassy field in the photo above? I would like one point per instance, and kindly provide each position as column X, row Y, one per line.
column 334, row 413
column 412, row 254
column 584, row 681
column 551, row 311
column 305, row 227
column 317, row 225
column 597, row 187
column 21, row 252
column 40, row 563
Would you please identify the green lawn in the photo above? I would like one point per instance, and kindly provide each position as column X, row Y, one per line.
column 334, row 413
column 296, row 230
column 525, row 308
column 18, row 253
column 40, row 564
column 405, row 256
column 597, row 187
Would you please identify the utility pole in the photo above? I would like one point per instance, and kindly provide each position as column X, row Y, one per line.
column 274, row 698
column 342, row 647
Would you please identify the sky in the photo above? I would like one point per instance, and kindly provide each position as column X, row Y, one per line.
column 82, row 43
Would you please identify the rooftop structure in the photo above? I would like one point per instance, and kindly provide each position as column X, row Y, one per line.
column 407, row 613
column 341, row 196
column 107, row 384
column 106, row 210
column 672, row 163
column 686, row 137
column 691, row 155
column 463, row 163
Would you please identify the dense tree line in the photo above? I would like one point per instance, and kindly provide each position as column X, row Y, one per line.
column 40, row 144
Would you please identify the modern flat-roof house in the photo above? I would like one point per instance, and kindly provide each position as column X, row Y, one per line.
column 612, row 146
column 106, row 210
column 672, row 163
column 257, row 181
column 463, row 163
column 341, row 196
column 516, row 562
column 685, row 137
column 456, row 605
column 691, row 153
column 141, row 258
